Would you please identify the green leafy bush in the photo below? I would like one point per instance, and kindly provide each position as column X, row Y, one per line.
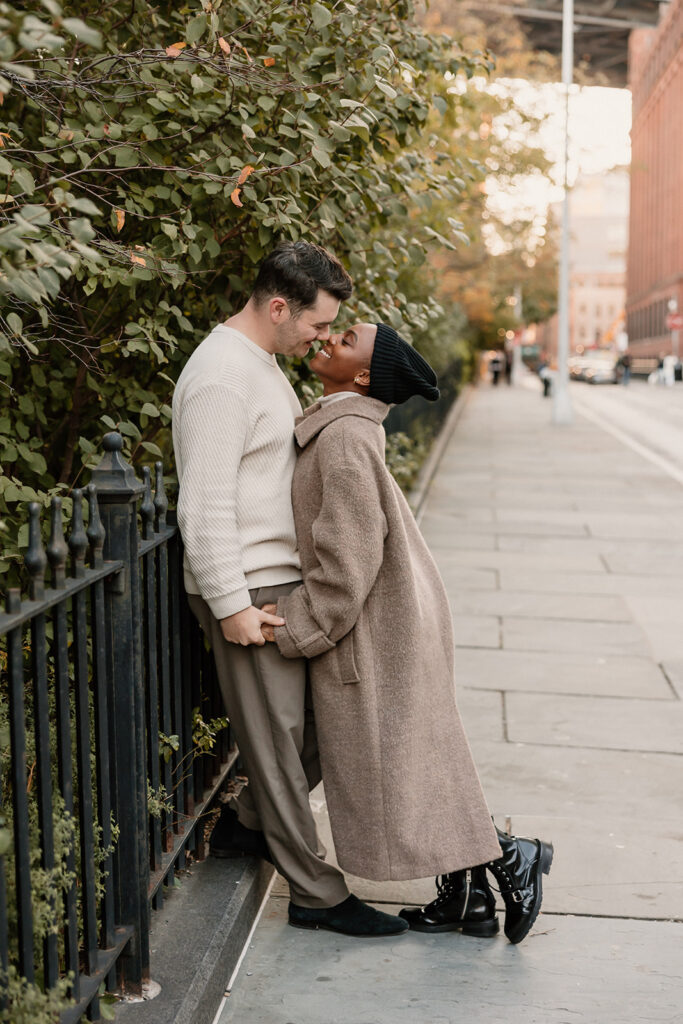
column 149, row 163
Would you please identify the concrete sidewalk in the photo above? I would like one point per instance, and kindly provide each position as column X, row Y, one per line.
column 562, row 552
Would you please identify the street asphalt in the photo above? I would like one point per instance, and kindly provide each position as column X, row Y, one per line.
column 562, row 552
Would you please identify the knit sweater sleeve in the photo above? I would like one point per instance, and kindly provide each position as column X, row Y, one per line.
column 215, row 429
column 348, row 539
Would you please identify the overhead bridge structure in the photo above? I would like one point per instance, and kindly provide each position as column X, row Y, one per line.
column 601, row 28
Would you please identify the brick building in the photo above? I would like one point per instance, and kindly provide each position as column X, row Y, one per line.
column 655, row 252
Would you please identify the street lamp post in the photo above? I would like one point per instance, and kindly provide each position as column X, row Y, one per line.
column 562, row 408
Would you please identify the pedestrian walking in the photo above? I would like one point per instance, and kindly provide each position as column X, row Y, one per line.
column 233, row 423
column 372, row 616
column 496, row 365
column 625, row 369
column 545, row 373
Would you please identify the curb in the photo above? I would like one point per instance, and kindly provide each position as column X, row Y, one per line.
column 197, row 940
column 418, row 495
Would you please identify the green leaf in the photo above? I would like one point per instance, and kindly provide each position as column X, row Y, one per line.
column 196, row 29
column 125, row 156
column 153, row 449
column 321, row 156
column 149, row 410
column 321, row 15
column 84, row 33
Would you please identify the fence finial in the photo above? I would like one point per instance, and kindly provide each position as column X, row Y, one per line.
column 160, row 499
column 147, row 506
column 95, row 533
column 35, row 558
column 78, row 541
column 114, row 477
column 57, row 551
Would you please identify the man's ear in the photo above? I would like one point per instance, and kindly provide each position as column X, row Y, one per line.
column 278, row 309
column 362, row 378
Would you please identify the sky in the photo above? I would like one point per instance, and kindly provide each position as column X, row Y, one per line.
column 599, row 125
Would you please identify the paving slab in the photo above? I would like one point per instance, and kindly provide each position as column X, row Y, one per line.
column 525, row 779
column 587, row 970
column 562, row 673
column 463, row 577
column 520, row 560
column 604, row 723
column 568, row 635
column 482, row 713
column 527, row 604
column 477, row 631
column 525, row 578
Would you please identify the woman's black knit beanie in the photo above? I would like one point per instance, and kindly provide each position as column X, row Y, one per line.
column 397, row 371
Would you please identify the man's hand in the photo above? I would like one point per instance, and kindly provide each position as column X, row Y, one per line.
column 245, row 627
column 268, row 631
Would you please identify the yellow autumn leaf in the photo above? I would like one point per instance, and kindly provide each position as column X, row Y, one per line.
column 175, row 49
column 244, row 174
column 224, row 45
column 4, row 135
column 120, row 219
column 269, row 61
column 137, row 259
column 235, row 197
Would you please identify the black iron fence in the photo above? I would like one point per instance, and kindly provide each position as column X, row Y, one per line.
column 116, row 748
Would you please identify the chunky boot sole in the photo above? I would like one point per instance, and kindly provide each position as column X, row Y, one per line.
column 480, row 929
column 543, row 865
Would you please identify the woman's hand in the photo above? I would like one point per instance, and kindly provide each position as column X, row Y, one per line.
column 268, row 630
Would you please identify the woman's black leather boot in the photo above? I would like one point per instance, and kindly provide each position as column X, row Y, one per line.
column 519, row 873
column 464, row 903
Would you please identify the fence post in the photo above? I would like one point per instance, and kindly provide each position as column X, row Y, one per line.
column 118, row 491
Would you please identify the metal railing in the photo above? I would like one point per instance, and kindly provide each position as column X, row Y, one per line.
column 107, row 676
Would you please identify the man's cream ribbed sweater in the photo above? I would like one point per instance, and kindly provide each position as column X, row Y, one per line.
column 233, row 435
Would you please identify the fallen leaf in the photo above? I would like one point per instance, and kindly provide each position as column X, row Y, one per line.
column 224, row 45
column 65, row 133
column 120, row 219
column 235, row 196
column 5, row 135
column 244, row 174
column 137, row 259
column 269, row 61
column 175, row 49
column 140, row 248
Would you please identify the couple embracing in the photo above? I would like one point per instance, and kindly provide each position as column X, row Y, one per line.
column 328, row 619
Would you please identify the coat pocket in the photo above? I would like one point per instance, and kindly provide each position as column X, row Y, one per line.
column 346, row 661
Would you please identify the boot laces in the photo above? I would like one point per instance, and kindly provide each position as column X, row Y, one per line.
column 444, row 889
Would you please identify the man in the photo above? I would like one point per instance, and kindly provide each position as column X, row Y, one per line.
column 233, row 435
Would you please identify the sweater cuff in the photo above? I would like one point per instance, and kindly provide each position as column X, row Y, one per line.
column 229, row 604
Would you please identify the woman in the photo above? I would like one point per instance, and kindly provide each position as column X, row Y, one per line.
column 372, row 615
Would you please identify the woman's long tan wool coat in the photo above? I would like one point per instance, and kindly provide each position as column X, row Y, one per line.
column 372, row 615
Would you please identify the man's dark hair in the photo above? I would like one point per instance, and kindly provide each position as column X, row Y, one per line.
column 297, row 270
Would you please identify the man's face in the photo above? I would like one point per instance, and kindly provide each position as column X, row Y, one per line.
column 295, row 335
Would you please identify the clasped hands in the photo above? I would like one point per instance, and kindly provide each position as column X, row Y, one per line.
column 252, row 625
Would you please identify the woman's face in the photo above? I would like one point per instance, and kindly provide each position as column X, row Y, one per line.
column 346, row 357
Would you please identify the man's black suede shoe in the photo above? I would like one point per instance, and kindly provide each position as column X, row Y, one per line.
column 231, row 839
column 352, row 917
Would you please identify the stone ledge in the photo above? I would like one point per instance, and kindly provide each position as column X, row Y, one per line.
column 197, row 939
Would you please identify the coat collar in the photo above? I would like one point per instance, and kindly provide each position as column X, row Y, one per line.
column 318, row 416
